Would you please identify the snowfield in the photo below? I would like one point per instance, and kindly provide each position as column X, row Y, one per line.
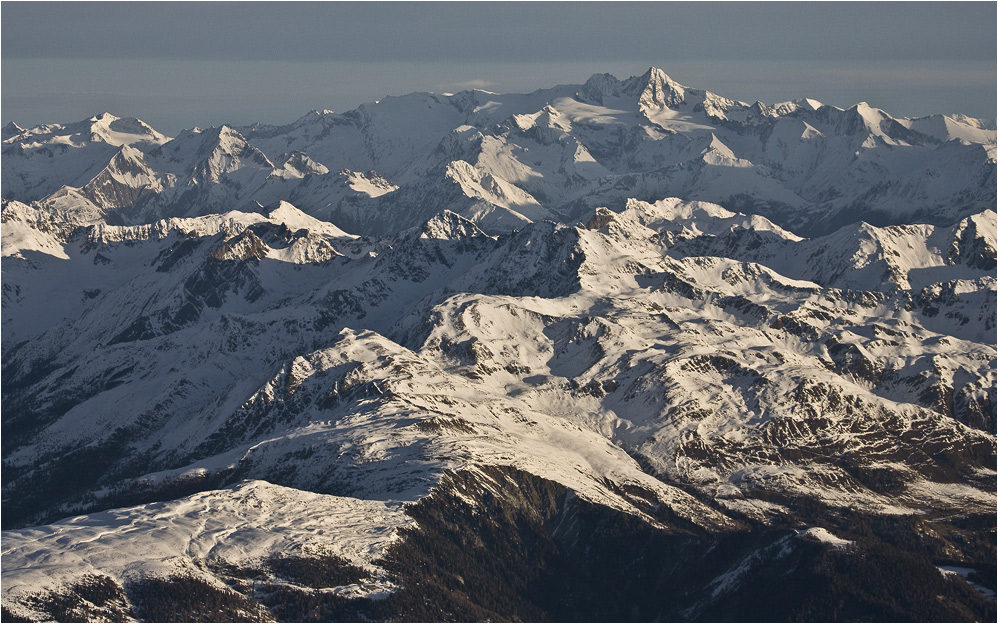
column 245, row 523
column 707, row 317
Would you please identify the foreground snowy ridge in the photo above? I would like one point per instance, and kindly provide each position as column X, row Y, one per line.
column 249, row 521
column 537, row 331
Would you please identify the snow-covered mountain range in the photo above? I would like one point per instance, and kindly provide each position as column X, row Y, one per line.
column 286, row 369
column 507, row 160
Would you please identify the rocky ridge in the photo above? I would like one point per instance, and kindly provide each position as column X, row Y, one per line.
column 534, row 352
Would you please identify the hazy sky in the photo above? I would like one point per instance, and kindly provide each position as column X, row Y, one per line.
column 177, row 65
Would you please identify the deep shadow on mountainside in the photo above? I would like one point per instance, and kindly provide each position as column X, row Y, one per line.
column 503, row 545
column 574, row 361
column 499, row 543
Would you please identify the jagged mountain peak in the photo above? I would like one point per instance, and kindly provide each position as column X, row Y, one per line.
column 655, row 73
column 653, row 88
column 696, row 218
column 531, row 387
column 225, row 135
column 225, row 130
column 658, row 90
column 714, row 145
column 127, row 153
column 635, row 85
column 242, row 247
column 298, row 164
column 543, row 154
column 801, row 104
column 870, row 114
column 600, row 86
column 125, row 179
column 284, row 209
column 11, row 130
column 369, row 183
column 449, row 225
column 224, row 150
column 101, row 120
column 287, row 213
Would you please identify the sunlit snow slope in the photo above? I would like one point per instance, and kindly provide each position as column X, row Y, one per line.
column 290, row 357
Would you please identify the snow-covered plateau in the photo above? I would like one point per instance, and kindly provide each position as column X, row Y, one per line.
column 625, row 350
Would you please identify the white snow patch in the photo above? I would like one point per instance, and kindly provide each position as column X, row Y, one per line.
column 246, row 522
column 965, row 572
column 822, row 535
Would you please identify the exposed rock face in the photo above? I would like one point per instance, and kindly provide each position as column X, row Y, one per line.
column 482, row 411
